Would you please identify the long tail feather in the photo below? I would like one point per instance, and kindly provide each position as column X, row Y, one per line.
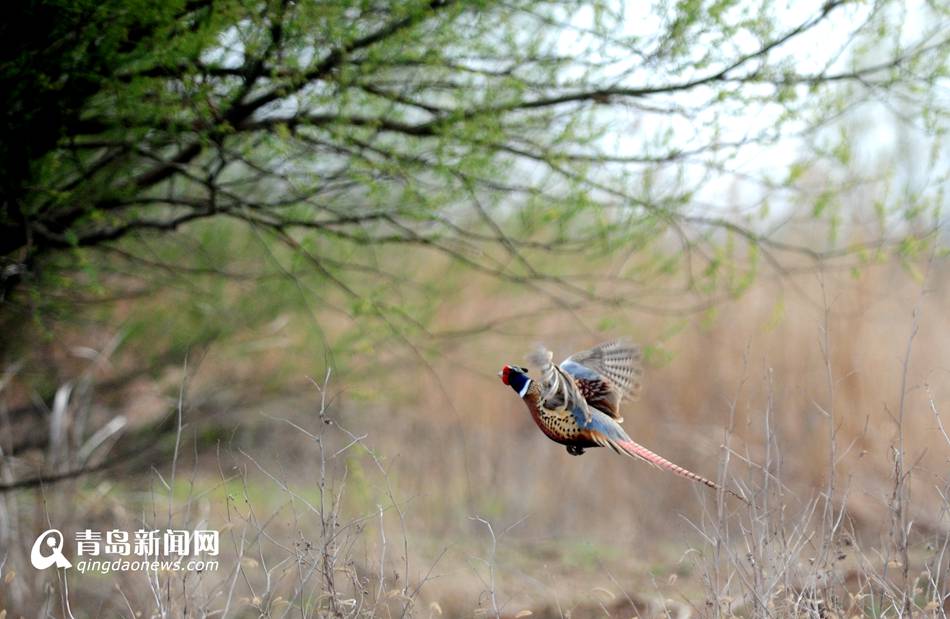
column 634, row 449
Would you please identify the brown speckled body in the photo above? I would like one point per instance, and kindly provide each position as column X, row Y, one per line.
column 560, row 428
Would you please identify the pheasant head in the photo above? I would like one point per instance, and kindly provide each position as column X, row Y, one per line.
column 516, row 377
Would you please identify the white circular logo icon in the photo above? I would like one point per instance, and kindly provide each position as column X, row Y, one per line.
column 54, row 540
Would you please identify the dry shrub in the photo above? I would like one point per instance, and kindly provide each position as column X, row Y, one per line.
column 792, row 394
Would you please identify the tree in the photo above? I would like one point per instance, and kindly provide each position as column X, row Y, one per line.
column 421, row 123
column 518, row 140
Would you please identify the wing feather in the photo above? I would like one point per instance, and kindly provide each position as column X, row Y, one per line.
column 559, row 391
column 606, row 373
column 620, row 361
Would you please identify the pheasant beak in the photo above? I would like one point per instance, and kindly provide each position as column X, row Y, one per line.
column 504, row 374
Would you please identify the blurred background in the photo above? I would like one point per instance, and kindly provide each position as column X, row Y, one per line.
column 261, row 262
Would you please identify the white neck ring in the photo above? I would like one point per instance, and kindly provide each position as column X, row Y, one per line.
column 524, row 389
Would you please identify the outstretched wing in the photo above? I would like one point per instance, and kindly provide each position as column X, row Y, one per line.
column 559, row 391
column 606, row 373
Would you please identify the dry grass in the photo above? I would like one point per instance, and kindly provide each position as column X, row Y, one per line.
column 429, row 492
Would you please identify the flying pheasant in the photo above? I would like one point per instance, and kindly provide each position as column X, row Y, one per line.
column 577, row 403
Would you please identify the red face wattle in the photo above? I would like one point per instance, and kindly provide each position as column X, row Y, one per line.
column 504, row 374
